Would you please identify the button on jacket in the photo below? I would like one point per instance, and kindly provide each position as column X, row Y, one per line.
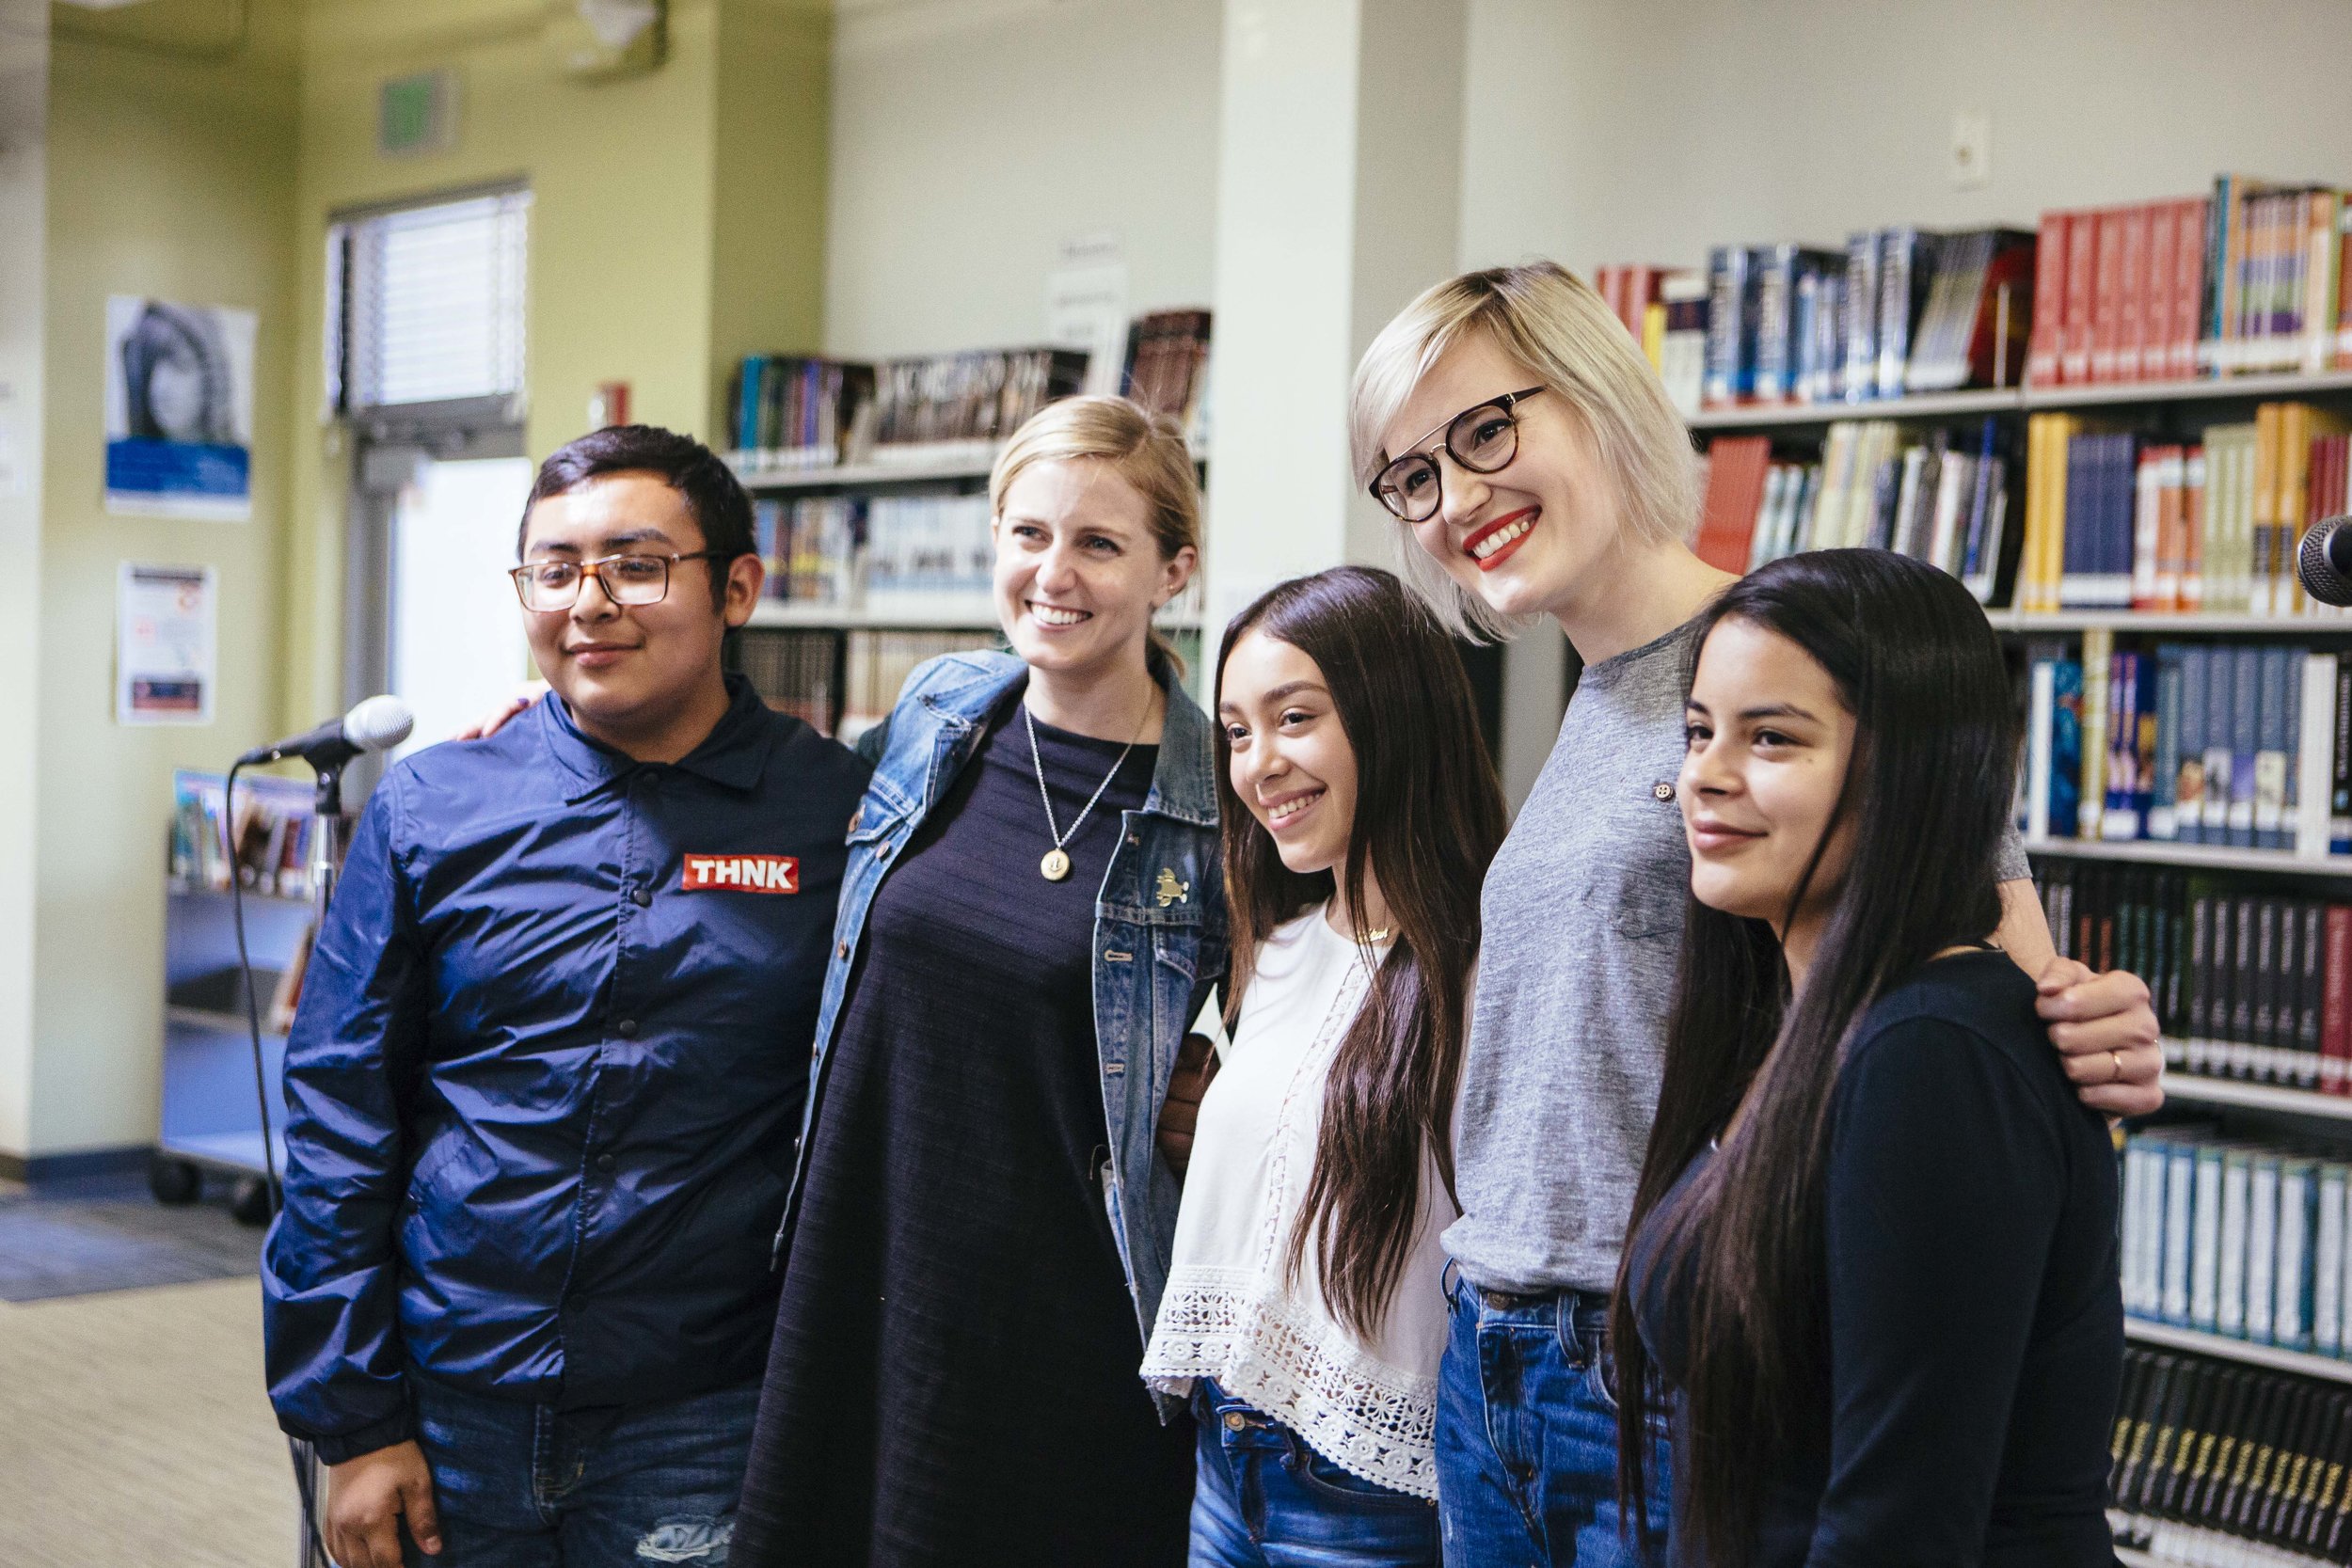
column 1159, row 924
column 551, row 1053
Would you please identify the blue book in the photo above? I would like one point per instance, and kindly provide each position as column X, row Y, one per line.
column 1858, row 376
column 2120, row 821
column 2080, row 564
column 1731, row 324
column 2245, row 740
column 2220, row 743
column 2270, row 750
column 2164, row 786
column 747, row 406
column 2066, row 750
column 2188, row 790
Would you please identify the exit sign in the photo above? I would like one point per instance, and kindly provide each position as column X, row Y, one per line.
column 416, row 114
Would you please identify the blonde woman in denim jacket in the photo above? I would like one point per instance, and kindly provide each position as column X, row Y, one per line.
column 980, row 1226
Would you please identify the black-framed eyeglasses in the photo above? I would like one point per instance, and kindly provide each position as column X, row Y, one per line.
column 628, row 579
column 1482, row 439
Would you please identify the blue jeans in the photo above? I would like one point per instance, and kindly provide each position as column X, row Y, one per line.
column 1264, row 1499
column 1527, row 1436
column 530, row 1486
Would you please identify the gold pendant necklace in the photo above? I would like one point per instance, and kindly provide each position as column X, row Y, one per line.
column 1056, row 863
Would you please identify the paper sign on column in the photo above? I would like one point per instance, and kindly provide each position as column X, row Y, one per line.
column 1085, row 306
column 164, row 644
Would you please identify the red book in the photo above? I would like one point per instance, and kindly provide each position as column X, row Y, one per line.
column 2335, row 1016
column 2049, row 300
column 1736, row 467
column 2106, row 292
column 2155, row 316
column 2188, row 288
column 2082, row 251
column 2132, row 297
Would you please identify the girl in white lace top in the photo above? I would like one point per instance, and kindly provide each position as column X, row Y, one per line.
column 1305, row 1313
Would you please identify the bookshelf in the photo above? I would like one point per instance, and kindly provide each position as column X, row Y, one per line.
column 2203, row 857
column 2245, row 1351
column 957, row 463
column 2195, row 1088
column 2027, row 399
column 2059, row 623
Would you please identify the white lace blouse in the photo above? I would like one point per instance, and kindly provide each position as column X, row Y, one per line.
column 1369, row 1406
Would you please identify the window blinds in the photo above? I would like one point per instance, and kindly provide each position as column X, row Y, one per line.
column 429, row 302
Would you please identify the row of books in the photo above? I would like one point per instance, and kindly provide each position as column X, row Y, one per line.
column 2243, row 746
column 2255, row 987
column 1940, row 500
column 796, row 412
column 2244, row 1240
column 794, row 671
column 2117, row 520
column 2119, row 750
column 2246, row 279
column 266, row 845
column 2129, row 917
column 2213, row 1464
column 1167, row 368
column 1899, row 310
column 809, row 546
column 886, row 555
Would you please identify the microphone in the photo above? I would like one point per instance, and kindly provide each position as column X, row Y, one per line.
column 2325, row 562
column 376, row 724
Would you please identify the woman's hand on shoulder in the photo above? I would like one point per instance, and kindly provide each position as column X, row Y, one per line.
column 2107, row 1035
column 498, row 717
column 1180, row 1113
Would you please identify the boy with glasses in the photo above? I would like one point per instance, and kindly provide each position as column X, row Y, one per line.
column 550, row 1056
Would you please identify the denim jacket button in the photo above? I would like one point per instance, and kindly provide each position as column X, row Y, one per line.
column 840, row 949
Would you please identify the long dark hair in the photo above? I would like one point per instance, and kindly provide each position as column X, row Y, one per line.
column 1925, row 791
column 1429, row 816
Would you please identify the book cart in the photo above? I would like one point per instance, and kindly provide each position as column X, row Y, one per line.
column 210, row 1122
column 2245, row 1135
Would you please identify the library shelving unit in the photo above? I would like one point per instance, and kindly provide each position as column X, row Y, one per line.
column 2277, row 1115
column 830, row 661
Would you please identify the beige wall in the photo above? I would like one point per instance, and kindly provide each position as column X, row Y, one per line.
column 171, row 176
column 676, row 222
column 971, row 138
column 1602, row 132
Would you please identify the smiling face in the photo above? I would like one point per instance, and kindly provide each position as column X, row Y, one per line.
column 626, row 672
column 1768, row 743
column 1289, row 759
column 1078, row 572
column 1531, row 538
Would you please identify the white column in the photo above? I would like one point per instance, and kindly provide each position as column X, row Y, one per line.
column 24, row 179
column 1338, row 177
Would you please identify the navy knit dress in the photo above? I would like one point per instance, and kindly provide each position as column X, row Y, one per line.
column 953, row 1379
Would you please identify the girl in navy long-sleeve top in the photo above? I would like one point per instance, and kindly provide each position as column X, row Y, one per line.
column 1872, row 1284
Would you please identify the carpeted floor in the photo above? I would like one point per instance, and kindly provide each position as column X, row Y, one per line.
column 133, row 1428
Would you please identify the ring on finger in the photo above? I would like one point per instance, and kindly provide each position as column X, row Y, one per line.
column 2116, row 1057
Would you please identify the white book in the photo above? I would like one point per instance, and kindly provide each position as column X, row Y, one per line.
column 2236, row 1208
column 2139, row 1159
column 2038, row 740
column 2315, row 756
column 2290, row 1322
column 2328, row 1264
column 2180, row 1179
column 2204, row 1264
column 2262, row 1249
column 2147, row 515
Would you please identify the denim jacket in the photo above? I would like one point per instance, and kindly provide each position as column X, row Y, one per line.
column 1159, row 927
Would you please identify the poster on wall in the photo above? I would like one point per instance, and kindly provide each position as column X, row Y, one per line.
column 164, row 625
column 179, row 410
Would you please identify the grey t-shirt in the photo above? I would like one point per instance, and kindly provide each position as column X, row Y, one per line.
column 1582, row 928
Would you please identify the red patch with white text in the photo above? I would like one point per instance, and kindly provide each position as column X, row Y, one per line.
column 741, row 874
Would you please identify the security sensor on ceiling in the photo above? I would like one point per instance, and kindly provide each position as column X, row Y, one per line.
column 600, row 40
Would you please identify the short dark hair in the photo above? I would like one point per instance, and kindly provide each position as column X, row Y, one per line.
column 712, row 492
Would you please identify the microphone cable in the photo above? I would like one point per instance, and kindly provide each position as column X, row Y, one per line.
column 314, row 1546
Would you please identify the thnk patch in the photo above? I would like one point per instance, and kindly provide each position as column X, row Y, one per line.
column 741, row 874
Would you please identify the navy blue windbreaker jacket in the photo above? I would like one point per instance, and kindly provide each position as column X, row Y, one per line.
column 543, row 1083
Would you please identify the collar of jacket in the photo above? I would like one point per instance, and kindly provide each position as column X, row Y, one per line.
column 734, row 754
column 1182, row 783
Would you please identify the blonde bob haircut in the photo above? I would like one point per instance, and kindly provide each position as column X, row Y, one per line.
column 1574, row 345
column 1144, row 449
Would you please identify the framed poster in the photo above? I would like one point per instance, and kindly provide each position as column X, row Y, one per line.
column 179, row 410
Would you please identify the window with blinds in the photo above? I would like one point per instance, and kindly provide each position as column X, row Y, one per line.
column 425, row 303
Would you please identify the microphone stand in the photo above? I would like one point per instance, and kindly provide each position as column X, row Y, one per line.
column 326, row 861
